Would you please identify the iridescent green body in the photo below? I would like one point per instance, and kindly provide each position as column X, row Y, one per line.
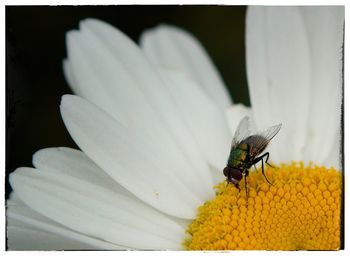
column 238, row 155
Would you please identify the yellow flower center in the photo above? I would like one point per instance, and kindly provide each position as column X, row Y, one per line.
column 300, row 211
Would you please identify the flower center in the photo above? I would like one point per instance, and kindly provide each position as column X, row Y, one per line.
column 300, row 211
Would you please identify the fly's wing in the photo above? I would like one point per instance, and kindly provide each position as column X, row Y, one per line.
column 244, row 129
column 260, row 141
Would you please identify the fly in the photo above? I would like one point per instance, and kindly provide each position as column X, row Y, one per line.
column 245, row 152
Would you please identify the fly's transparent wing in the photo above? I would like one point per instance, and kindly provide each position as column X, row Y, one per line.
column 262, row 139
column 271, row 132
column 244, row 129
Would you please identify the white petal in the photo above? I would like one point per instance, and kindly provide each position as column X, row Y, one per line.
column 28, row 238
column 335, row 158
column 95, row 211
column 131, row 160
column 217, row 175
column 324, row 27
column 67, row 72
column 76, row 164
column 69, row 75
column 172, row 47
column 137, row 95
column 144, row 76
column 279, row 76
column 205, row 120
column 81, row 64
column 14, row 199
column 234, row 115
column 28, row 230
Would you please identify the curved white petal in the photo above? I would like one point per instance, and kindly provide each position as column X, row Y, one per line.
column 335, row 158
column 81, row 71
column 68, row 74
column 234, row 115
column 112, row 72
column 205, row 120
column 217, row 175
column 29, row 230
column 95, row 211
column 75, row 163
column 172, row 47
column 324, row 26
column 279, row 76
column 27, row 237
column 100, row 72
column 135, row 163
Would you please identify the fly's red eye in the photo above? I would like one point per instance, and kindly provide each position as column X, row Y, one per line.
column 236, row 174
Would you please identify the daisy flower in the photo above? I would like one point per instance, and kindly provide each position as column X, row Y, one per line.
column 154, row 124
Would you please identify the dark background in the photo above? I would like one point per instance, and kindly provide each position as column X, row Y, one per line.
column 35, row 48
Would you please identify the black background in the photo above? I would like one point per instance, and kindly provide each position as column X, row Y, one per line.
column 35, row 48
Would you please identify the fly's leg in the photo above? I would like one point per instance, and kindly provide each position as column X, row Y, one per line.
column 246, row 188
column 267, row 154
column 237, row 186
column 245, row 184
column 261, row 158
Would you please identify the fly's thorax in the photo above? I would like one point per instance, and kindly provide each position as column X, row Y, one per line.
column 238, row 155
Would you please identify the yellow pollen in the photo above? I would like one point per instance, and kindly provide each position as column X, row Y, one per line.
column 300, row 211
